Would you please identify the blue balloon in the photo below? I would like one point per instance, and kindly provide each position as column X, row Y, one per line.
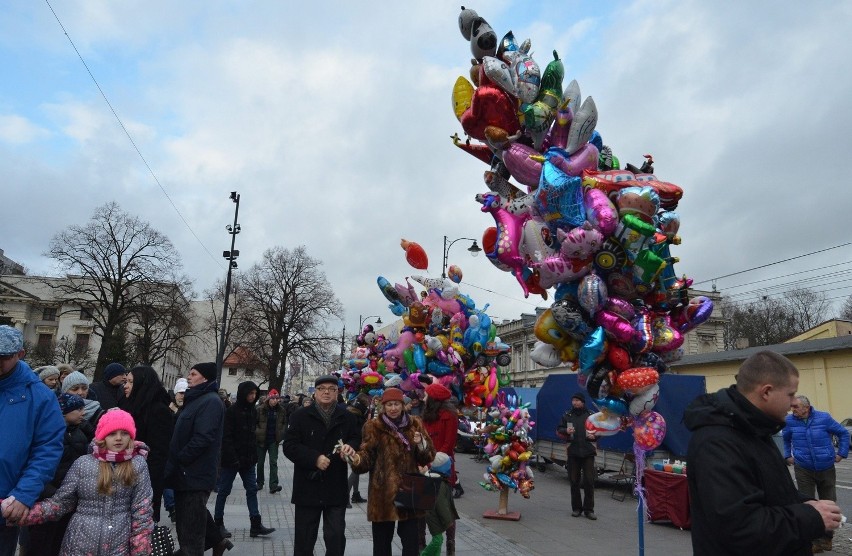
column 613, row 405
column 596, row 140
column 592, row 350
column 419, row 357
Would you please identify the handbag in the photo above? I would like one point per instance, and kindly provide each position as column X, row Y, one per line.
column 417, row 492
column 162, row 543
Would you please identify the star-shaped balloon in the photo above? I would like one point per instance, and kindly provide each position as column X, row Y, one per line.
column 559, row 197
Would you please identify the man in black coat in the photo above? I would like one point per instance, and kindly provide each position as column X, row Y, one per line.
column 110, row 390
column 742, row 498
column 581, row 456
column 194, row 458
column 320, row 487
column 239, row 456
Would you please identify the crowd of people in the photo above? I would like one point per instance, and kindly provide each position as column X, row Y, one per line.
column 89, row 467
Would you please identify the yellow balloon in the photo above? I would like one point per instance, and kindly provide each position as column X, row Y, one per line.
column 462, row 95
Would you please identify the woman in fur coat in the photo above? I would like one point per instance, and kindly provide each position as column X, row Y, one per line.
column 393, row 444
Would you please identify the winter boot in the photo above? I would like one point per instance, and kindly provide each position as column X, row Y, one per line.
column 220, row 521
column 223, row 545
column 458, row 491
column 358, row 499
column 257, row 527
column 451, row 539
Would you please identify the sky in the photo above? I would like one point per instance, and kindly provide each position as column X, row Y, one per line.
column 333, row 121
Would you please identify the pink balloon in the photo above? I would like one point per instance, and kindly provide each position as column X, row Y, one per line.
column 649, row 430
column 616, row 326
column 517, row 159
column 600, row 212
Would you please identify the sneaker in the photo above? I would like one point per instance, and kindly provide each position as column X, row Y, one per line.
column 576, row 513
column 591, row 515
column 358, row 499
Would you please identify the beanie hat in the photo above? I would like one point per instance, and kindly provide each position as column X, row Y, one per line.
column 207, row 370
column 326, row 379
column 579, row 396
column 113, row 370
column 438, row 392
column 70, row 402
column 73, row 380
column 11, row 340
column 392, row 395
column 115, row 420
column 46, row 371
column 181, row 385
column 273, row 393
column 442, row 464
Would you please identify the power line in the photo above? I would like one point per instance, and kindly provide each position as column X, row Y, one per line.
column 788, row 275
column 132, row 142
column 770, row 264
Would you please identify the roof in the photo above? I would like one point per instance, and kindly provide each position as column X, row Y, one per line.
column 241, row 357
column 795, row 348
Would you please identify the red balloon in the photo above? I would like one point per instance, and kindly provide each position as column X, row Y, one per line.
column 415, row 255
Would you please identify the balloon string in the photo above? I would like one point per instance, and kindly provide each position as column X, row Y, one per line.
column 638, row 488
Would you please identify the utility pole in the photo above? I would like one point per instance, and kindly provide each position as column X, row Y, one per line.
column 231, row 257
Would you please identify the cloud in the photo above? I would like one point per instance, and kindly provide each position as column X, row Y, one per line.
column 17, row 130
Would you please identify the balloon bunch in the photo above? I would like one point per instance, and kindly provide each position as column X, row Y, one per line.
column 509, row 448
column 600, row 235
column 445, row 338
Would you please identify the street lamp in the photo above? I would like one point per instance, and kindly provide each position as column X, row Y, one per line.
column 474, row 251
column 362, row 320
column 231, row 257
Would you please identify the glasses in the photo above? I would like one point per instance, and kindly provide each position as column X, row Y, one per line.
column 327, row 389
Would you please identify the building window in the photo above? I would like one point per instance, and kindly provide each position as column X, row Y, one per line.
column 49, row 313
column 248, row 373
column 85, row 313
column 81, row 343
column 232, row 371
column 45, row 341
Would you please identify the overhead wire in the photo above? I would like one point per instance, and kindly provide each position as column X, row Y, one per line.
column 130, row 137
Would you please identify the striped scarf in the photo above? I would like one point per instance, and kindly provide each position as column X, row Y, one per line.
column 403, row 422
column 102, row 454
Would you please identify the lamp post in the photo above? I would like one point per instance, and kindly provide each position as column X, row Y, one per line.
column 231, row 257
column 474, row 251
column 362, row 320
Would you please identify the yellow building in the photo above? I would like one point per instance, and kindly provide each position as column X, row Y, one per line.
column 825, row 367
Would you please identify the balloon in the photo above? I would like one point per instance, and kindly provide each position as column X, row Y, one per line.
column 466, row 19
column 462, row 95
column 649, row 431
column 539, row 115
column 593, row 350
column 518, row 161
column 592, row 293
column 414, row 254
column 489, row 106
column 559, row 197
column 568, row 316
column 600, row 212
column 483, row 39
column 584, row 123
column 454, row 273
column 617, row 327
column 642, row 202
column 612, row 405
column 509, row 228
column 666, row 338
column 478, row 150
column 618, row 357
column 603, row 423
column 637, row 379
column 545, row 355
column 537, row 242
column 527, row 75
column 571, row 97
column 548, row 330
column 633, row 234
column 558, row 270
column 645, row 401
column 498, row 72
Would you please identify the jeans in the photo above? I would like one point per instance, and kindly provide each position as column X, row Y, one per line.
column 821, row 483
column 306, row 523
column 169, row 499
column 8, row 540
column 586, row 468
column 191, row 521
column 272, row 450
column 226, row 481
column 354, row 479
column 383, row 537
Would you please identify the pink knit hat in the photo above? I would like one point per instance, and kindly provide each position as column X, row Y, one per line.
column 115, row 420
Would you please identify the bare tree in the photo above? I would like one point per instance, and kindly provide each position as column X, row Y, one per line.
column 212, row 323
column 846, row 310
column 770, row 320
column 286, row 305
column 66, row 350
column 106, row 261
column 161, row 322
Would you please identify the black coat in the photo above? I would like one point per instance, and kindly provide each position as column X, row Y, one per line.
column 742, row 498
column 239, row 446
column 578, row 445
column 108, row 395
column 193, row 460
column 306, row 439
column 76, row 444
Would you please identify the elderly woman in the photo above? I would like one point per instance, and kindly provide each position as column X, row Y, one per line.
column 393, row 444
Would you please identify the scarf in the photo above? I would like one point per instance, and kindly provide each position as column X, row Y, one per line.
column 326, row 414
column 102, row 454
column 403, row 422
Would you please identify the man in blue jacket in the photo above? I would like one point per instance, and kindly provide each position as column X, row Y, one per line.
column 809, row 448
column 33, row 431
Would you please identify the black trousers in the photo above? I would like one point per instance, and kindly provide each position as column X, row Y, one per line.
column 581, row 472
column 196, row 529
column 307, row 520
column 383, row 537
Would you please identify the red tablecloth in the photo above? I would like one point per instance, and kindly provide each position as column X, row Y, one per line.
column 667, row 495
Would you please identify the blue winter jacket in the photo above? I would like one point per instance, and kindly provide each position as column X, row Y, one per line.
column 33, row 433
column 810, row 440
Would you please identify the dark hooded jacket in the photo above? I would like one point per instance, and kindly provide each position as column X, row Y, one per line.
column 194, row 450
column 578, row 445
column 742, row 498
column 239, row 445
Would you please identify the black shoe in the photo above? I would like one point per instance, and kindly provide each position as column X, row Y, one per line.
column 224, row 533
column 259, row 486
column 223, row 545
column 349, row 505
column 172, row 515
column 458, row 491
column 591, row 515
column 273, row 490
column 358, row 499
column 257, row 527
column 576, row 513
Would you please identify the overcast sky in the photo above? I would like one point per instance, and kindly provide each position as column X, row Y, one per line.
column 332, row 120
